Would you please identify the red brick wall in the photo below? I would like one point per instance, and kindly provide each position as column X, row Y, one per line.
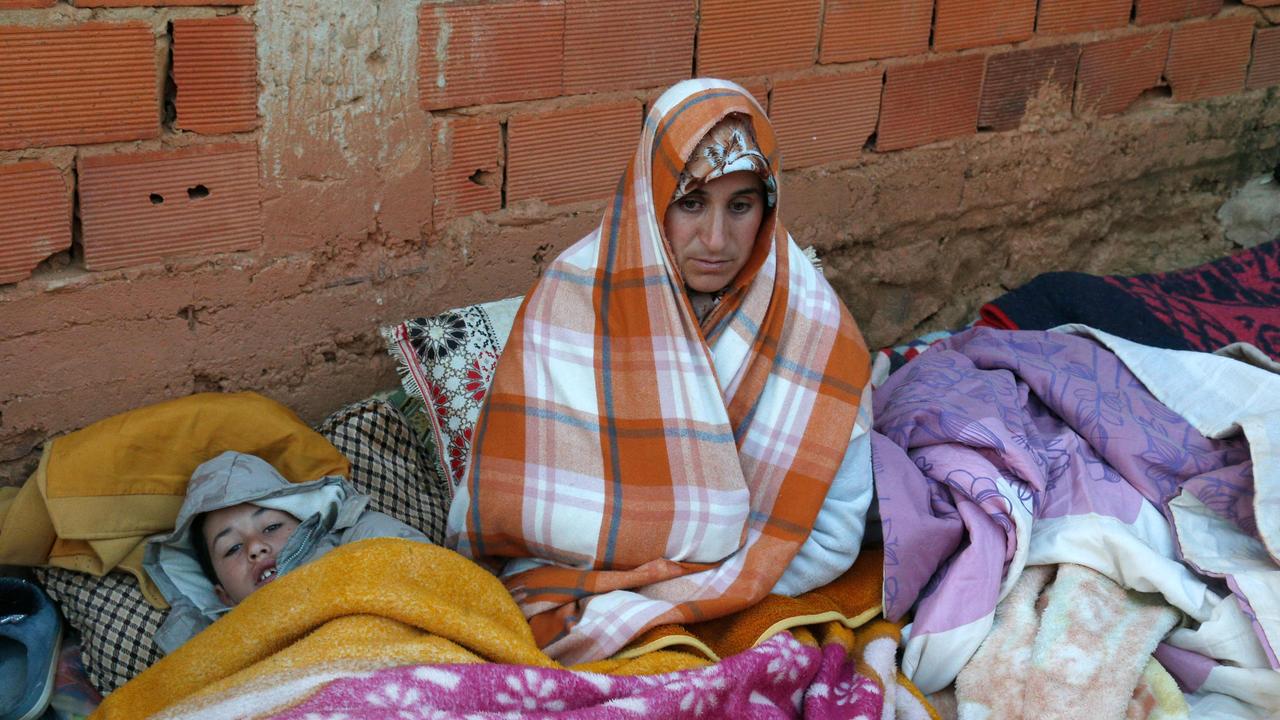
column 200, row 195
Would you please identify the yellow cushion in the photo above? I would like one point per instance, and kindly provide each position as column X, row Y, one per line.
column 99, row 492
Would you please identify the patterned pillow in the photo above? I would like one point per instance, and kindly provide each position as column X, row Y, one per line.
column 447, row 362
column 116, row 623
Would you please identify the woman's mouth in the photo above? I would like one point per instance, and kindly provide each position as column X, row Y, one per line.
column 709, row 265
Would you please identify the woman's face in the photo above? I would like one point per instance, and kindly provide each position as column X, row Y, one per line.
column 713, row 229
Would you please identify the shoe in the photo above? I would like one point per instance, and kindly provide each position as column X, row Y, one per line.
column 30, row 637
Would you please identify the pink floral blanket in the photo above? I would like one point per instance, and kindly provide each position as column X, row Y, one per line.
column 780, row 678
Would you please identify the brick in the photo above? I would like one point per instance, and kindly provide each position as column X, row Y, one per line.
column 142, row 207
column 826, row 118
column 23, row 4
column 1150, row 12
column 759, row 90
column 737, row 39
column 471, row 54
column 35, row 217
column 1060, row 17
column 1015, row 77
column 1209, row 57
column 964, row 24
column 215, row 69
column 78, row 84
column 570, row 155
column 621, row 44
column 1265, row 70
column 467, row 165
column 156, row 3
column 855, row 30
column 929, row 101
column 1113, row 73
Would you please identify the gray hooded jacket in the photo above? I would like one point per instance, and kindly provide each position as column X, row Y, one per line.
column 330, row 512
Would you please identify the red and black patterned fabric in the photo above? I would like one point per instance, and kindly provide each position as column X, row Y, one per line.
column 1234, row 299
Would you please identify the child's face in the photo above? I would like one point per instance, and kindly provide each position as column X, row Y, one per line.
column 243, row 541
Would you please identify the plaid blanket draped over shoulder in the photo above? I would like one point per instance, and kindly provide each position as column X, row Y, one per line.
column 633, row 467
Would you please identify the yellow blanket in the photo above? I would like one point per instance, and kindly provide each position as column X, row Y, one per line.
column 849, row 602
column 372, row 604
column 386, row 603
column 100, row 491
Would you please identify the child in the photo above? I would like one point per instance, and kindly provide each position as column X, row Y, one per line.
column 241, row 526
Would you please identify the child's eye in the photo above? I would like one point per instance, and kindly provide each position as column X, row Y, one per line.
column 273, row 527
column 232, row 550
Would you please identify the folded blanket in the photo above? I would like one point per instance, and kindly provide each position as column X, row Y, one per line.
column 1234, row 299
column 100, row 491
column 387, row 624
column 851, row 601
column 1159, row 469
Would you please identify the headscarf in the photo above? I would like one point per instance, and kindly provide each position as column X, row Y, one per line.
column 729, row 147
column 634, row 467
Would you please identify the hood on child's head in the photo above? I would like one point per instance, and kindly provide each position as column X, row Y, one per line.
column 232, row 478
column 229, row 470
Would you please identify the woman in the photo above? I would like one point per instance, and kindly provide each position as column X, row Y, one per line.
column 677, row 396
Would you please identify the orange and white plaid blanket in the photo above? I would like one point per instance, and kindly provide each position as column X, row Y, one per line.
column 633, row 467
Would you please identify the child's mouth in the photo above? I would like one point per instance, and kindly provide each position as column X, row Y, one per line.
column 267, row 575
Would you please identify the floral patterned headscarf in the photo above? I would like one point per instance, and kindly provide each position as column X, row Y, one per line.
column 729, row 147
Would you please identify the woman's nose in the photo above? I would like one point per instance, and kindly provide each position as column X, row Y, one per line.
column 714, row 238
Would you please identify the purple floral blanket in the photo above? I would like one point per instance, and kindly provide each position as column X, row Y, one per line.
column 996, row 450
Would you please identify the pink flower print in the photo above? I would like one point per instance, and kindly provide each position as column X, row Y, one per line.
column 531, row 691
column 789, row 658
column 699, row 690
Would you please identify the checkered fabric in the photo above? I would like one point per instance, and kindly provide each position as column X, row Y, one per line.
column 635, row 465
column 115, row 622
column 389, row 465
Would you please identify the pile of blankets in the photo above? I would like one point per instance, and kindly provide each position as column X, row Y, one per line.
column 1233, row 299
column 393, row 628
column 1074, row 525
column 1148, row 478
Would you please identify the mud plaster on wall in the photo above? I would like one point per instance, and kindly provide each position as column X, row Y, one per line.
column 339, row 113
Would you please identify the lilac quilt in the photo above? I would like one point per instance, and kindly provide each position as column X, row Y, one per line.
column 1000, row 449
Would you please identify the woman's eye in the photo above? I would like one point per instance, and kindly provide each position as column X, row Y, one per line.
column 741, row 206
column 689, row 204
